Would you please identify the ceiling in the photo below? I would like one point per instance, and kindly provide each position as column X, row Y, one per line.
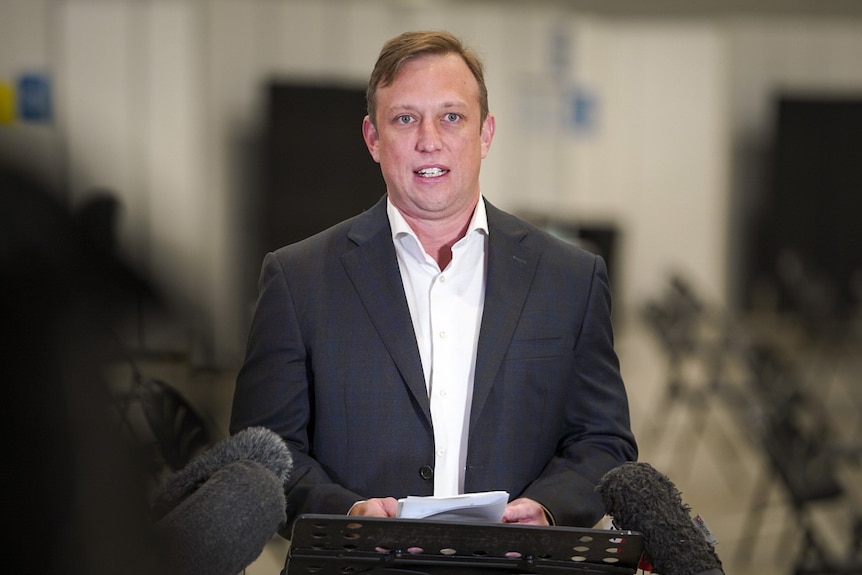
column 704, row 8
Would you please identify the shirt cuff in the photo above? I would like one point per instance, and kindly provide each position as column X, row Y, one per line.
column 549, row 515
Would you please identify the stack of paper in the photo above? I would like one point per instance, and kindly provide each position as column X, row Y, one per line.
column 487, row 506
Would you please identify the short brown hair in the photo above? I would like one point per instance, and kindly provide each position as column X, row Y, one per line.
column 411, row 45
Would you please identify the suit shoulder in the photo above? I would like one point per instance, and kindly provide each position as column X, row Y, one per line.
column 543, row 239
column 315, row 242
column 341, row 236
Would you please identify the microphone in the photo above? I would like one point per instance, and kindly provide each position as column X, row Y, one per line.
column 639, row 498
column 218, row 512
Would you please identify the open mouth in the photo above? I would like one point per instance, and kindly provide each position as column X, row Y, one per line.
column 431, row 172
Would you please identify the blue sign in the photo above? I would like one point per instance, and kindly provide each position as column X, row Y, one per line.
column 584, row 111
column 34, row 98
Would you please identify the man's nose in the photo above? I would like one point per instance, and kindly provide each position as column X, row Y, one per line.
column 429, row 136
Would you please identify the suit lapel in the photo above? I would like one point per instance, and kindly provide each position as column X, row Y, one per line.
column 373, row 269
column 511, row 266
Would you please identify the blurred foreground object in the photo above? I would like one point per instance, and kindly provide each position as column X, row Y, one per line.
column 221, row 509
column 640, row 498
column 75, row 494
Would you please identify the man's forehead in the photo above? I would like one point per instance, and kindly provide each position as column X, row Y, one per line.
column 449, row 60
column 457, row 82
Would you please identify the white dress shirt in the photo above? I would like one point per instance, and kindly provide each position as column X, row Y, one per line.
column 446, row 309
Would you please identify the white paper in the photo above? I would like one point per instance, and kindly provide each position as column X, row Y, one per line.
column 487, row 506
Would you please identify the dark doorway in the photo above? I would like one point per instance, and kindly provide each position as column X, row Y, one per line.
column 317, row 168
column 809, row 238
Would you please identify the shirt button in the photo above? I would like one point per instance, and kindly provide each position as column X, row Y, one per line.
column 443, row 279
column 442, row 335
column 441, row 452
column 426, row 472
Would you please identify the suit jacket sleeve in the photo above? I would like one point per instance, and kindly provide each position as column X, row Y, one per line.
column 332, row 366
column 273, row 389
column 550, row 412
column 598, row 436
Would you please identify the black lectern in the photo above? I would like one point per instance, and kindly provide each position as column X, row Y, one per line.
column 341, row 545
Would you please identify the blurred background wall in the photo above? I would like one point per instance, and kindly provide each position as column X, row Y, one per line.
column 655, row 123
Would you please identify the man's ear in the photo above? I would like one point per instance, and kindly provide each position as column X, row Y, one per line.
column 489, row 126
column 369, row 134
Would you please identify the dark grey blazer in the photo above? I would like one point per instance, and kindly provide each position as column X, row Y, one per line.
column 333, row 367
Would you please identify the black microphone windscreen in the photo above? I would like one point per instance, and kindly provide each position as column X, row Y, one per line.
column 224, row 525
column 257, row 444
column 640, row 498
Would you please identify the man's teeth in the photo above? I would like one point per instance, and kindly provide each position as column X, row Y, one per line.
column 431, row 172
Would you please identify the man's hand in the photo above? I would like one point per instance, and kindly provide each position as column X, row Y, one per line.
column 375, row 507
column 525, row 511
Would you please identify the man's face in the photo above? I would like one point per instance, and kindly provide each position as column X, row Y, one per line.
column 429, row 138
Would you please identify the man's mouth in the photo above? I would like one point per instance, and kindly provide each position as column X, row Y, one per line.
column 431, row 172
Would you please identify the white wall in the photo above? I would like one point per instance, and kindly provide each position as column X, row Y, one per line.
column 656, row 164
column 155, row 98
column 132, row 99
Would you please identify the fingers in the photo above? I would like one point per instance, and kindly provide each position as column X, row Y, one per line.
column 376, row 507
column 525, row 511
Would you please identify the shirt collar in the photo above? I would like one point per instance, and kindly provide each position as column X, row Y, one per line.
column 400, row 227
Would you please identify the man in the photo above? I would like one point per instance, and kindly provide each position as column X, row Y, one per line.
column 435, row 344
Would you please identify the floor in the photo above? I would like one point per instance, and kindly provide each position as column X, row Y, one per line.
column 696, row 439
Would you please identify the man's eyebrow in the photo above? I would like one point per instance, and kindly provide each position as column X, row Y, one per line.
column 410, row 107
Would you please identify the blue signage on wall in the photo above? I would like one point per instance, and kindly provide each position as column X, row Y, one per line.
column 584, row 111
column 34, row 98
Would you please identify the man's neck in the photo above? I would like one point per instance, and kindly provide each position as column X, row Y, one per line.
column 438, row 236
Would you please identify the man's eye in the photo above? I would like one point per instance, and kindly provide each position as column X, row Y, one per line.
column 453, row 117
column 403, row 119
